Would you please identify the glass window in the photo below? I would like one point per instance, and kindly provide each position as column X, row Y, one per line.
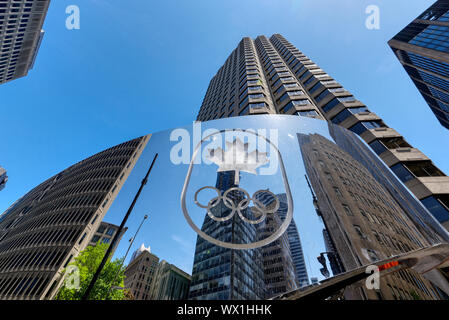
column 254, row 88
column 256, row 96
column 362, row 126
column 402, row 172
column 330, row 105
column 378, row 147
column 337, row 90
column 110, row 232
column 438, row 207
column 347, row 210
column 307, row 113
column 429, row 64
column 394, row 143
column 343, row 115
column 309, row 81
column 359, row 232
column 423, row 169
column 256, row 106
column 244, row 111
column 322, row 95
column 305, row 75
column 301, row 102
column 315, row 87
column 347, row 99
column 289, row 94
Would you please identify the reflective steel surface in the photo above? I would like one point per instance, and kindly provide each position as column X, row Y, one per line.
column 347, row 209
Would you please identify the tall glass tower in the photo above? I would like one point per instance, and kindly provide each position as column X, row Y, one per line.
column 422, row 47
column 225, row 274
column 294, row 243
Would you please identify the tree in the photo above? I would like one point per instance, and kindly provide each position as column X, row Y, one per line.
column 79, row 273
column 415, row 295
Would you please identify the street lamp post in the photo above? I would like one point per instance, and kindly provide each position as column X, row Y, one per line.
column 131, row 241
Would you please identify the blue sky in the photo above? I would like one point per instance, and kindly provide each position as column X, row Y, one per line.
column 144, row 66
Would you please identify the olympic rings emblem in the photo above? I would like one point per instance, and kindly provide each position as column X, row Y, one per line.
column 237, row 207
column 258, row 207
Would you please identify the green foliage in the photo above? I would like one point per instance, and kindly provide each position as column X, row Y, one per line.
column 87, row 263
column 415, row 295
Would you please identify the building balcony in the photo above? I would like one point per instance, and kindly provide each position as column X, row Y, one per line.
column 423, row 187
column 391, row 157
column 373, row 134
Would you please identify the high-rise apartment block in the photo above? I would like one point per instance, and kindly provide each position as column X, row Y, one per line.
column 3, row 178
column 422, row 47
column 21, row 35
column 271, row 76
column 42, row 231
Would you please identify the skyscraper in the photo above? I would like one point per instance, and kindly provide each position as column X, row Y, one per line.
column 41, row 232
column 280, row 274
column 224, row 274
column 422, row 47
column 21, row 35
column 3, row 178
column 294, row 244
column 271, row 76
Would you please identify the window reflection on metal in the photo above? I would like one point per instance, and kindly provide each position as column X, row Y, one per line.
column 236, row 198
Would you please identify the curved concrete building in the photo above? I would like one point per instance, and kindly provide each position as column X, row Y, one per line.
column 51, row 224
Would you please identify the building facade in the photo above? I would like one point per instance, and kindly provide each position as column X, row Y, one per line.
column 279, row 270
column 271, row 76
column 170, row 283
column 224, row 274
column 3, row 178
column 294, row 242
column 422, row 47
column 41, row 232
column 21, row 35
column 140, row 273
column 104, row 234
column 363, row 222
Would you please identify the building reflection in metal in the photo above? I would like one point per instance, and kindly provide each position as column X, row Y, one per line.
column 363, row 222
column 349, row 212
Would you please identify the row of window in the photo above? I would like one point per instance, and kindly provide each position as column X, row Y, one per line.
column 294, row 96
